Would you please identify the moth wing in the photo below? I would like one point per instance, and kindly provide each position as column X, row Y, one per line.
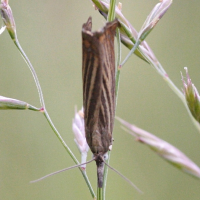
column 91, row 75
column 107, row 111
column 98, row 73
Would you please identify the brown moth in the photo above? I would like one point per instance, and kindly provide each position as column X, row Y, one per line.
column 98, row 73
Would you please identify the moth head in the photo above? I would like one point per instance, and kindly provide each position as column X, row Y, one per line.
column 100, row 157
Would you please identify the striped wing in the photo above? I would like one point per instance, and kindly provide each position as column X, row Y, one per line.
column 98, row 73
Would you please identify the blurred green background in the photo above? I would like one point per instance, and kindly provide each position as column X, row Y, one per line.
column 50, row 33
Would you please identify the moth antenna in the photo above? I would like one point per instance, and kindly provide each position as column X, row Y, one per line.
column 124, row 177
column 59, row 171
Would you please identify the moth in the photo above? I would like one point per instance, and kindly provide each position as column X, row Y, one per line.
column 98, row 75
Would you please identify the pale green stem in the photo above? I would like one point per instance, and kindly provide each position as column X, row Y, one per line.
column 111, row 12
column 102, row 191
column 69, row 152
column 117, row 80
column 163, row 73
column 182, row 97
column 158, row 67
column 131, row 52
column 105, row 175
column 48, row 117
column 16, row 42
column 99, row 194
column 118, row 70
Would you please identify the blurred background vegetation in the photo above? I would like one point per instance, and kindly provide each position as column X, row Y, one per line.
column 50, row 33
